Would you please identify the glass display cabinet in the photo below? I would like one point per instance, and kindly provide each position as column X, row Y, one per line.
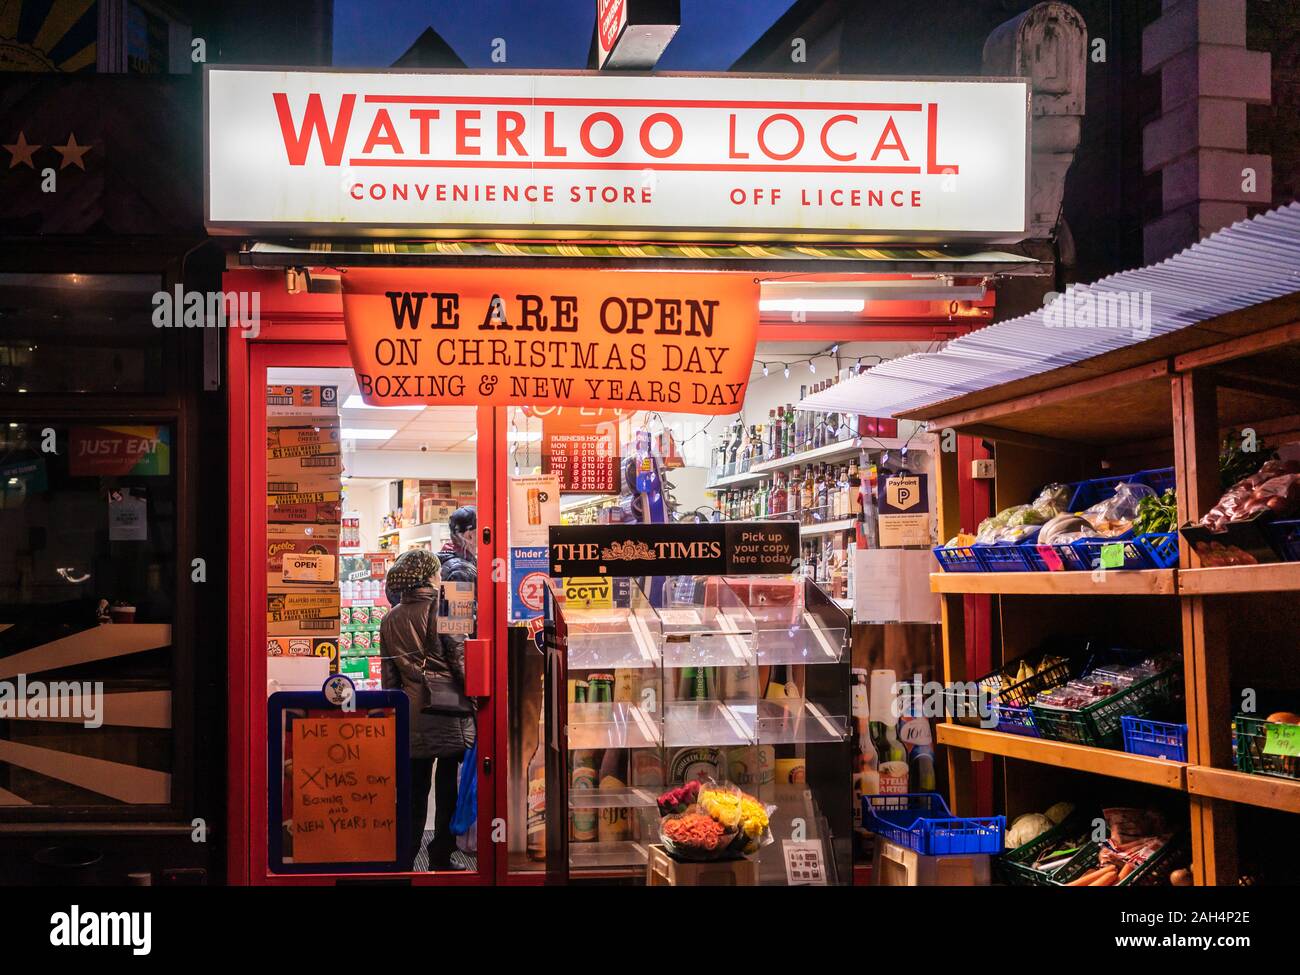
column 734, row 676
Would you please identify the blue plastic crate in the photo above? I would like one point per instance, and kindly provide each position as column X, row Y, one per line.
column 1159, row 479
column 1285, row 536
column 1053, row 558
column 1089, row 550
column 1087, row 493
column 1015, row 721
column 1157, row 739
column 1003, row 558
column 958, row 558
column 1160, row 548
column 921, row 821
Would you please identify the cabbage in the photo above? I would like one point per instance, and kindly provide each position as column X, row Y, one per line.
column 1058, row 812
column 1026, row 829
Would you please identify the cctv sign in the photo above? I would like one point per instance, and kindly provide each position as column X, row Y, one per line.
column 465, row 154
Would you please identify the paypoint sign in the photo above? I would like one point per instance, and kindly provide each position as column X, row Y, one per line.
column 721, row 156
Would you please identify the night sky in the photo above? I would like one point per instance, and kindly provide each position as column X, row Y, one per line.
column 538, row 33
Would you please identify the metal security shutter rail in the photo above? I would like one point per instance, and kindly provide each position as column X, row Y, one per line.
column 486, row 253
column 1252, row 261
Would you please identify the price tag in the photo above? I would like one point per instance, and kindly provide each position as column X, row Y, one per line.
column 1112, row 555
column 1282, row 739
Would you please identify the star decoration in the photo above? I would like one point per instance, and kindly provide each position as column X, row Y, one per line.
column 72, row 153
column 21, row 152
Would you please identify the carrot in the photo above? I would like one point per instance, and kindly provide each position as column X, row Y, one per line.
column 1128, row 869
column 1087, row 878
column 1107, row 879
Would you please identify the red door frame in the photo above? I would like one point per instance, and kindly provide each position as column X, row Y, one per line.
column 307, row 344
column 304, row 329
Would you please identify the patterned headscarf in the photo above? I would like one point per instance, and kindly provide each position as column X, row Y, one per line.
column 414, row 569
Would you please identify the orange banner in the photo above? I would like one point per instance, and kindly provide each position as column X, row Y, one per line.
column 677, row 342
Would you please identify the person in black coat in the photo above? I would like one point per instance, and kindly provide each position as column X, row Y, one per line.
column 429, row 667
column 459, row 555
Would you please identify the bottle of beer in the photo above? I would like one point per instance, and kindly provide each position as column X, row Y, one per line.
column 615, row 822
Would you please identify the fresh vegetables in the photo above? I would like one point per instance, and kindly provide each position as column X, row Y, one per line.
column 1026, row 829
column 1020, row 522
column 1273, row 489
column 1157, row 514
column 1058, row 813
column 1103, row 682
column 1235, row 464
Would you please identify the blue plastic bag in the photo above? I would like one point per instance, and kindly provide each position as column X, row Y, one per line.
column 466, row 814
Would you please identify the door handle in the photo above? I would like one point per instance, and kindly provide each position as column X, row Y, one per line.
column 478, row 668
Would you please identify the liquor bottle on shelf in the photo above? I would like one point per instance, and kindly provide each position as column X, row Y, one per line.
column 823, row 494
column 808, row 501
column 536, row 803
column 794, row 501
column 746, row 453
column 775, row 435
column 871, row 509
column 756, row 456
column 777, row 502
column 788, row 426
column 772, row 432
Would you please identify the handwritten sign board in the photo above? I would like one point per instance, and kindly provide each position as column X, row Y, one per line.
column 342, row 799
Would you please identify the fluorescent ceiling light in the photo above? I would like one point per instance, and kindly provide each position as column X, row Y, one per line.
column 355, row 402
column 364, row 433
column 812, row 304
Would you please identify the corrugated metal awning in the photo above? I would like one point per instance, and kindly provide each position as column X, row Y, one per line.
column 1250, row 262
column 658, row 256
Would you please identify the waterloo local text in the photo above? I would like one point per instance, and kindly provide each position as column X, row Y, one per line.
column 450, row 152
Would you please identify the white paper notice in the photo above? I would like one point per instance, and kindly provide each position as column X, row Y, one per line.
column 893, row 586
column 534, row 508
column 128, row 518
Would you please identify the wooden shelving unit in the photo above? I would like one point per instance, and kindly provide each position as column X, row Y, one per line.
column 1146, row 582
column 1165, row 402
column 1119, row 765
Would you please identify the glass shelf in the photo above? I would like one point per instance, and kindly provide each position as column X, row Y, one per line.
column 706, row 723
column 629, row 797
column 598, row 856
column 609, row 651
column 723, row 649
column 617, row 724
column 804, row 642
column 798, row 722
